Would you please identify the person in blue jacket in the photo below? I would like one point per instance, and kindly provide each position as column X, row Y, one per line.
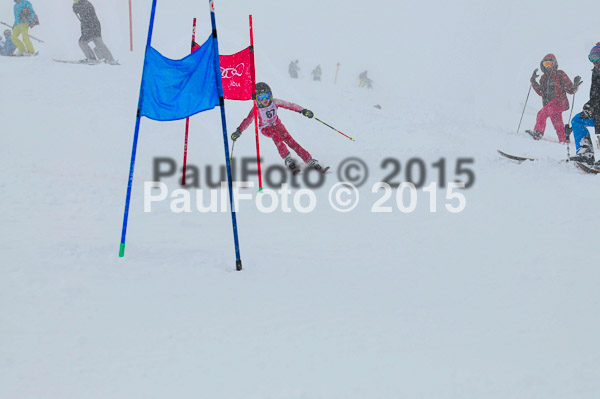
column 8, row 47
column 589, row 117
column 25, row 18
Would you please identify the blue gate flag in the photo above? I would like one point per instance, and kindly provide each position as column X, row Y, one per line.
column 177, row 89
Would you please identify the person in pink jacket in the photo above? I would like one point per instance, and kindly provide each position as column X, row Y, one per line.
column 271, row 126
column 553, row 88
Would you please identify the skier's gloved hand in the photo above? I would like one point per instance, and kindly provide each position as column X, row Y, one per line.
column 534, row 76
column 236, row 135
column 577, row 81
column 308, row 113
column 35, row 21
column 568, row 131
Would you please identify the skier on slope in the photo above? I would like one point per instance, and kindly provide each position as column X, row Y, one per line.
column 293, row 69
column 91, row 31
column 25, row 18
column 316, row 73
column 271, row 126
column 364, row 80
column 553, row 88
column 590, row 116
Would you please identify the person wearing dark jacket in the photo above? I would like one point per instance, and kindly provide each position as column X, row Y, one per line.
column 553, row 88
column 590, row 116
column 91, row 31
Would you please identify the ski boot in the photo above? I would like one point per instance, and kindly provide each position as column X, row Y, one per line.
column 585, row 154
column 535, row 134
column 289, row 162
column 313, row 163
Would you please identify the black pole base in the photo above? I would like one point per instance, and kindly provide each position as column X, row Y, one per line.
column 238, row 265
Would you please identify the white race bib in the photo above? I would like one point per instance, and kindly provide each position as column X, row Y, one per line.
column 268, row 115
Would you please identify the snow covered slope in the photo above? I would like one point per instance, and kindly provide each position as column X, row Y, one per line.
column 498, row 301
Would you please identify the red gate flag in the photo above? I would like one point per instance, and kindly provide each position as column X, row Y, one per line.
column 236, row 74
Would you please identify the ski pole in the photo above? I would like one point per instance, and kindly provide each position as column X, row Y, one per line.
column 523, row 113
column 569, row 130
column 329, row 126
column 232, row 147
column 31, row 37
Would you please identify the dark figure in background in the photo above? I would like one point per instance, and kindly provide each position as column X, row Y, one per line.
column 316, row 73
column 91, row 31
column 294, row 68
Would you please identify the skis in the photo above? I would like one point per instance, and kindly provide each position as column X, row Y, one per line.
column 515, row 157
column 580, row 165
column 77, row 62
column 298, row 170
column 25, row 55
column 586, row 169
column 521, row 159
column 86, row 62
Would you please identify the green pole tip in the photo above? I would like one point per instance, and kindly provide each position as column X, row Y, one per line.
column 259, row 189
column 122, row 250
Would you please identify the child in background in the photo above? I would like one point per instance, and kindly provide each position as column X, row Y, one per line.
column 553, row 88
column 7, row 47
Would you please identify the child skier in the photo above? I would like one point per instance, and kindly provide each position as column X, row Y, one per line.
column 553, row 88
column 590, row 116
column 8, row 47
column 270, row 126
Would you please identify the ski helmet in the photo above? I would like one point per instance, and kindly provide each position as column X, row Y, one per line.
column 7, row 32
column 261, row 88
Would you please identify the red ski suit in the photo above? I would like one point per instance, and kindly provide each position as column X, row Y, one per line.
column 270, row 126
column 553, row 88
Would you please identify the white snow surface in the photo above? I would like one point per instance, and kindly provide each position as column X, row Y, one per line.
column 499, row 301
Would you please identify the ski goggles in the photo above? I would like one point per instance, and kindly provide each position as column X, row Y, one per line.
column 547, row 64
column 594, row 57
column 263, row 96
